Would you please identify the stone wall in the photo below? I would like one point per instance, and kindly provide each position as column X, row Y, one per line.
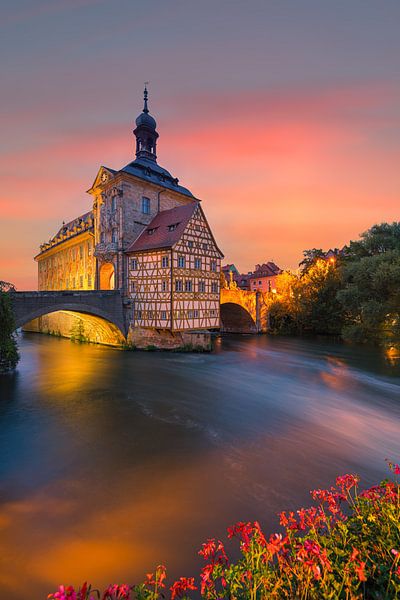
column 144, row 338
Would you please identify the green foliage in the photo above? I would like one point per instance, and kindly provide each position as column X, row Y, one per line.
column 77, row 332
column 355, row 295
column 370, row 295
column 308, row 304
column 379, row 239
column 9, row 355
column 310, row 257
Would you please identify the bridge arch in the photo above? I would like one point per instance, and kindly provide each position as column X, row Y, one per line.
column 236, row 319
column 100, row 315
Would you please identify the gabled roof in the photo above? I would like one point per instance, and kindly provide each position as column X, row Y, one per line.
column 269, row 269
column 165, row 230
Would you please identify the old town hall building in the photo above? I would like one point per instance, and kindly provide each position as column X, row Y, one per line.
column 147, row 236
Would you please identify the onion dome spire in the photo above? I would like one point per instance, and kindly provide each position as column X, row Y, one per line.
column 145, row 132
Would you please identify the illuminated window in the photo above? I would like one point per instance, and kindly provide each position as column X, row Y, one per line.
column 181, row 262
column 145, row 205
column 164, row 262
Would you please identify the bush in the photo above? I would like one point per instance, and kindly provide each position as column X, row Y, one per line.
column 347, row 545
column 9, row 355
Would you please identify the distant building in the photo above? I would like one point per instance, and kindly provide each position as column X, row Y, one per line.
column 263, row 278
column 231, row 273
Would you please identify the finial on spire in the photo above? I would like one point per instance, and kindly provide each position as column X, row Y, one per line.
column 145, row 96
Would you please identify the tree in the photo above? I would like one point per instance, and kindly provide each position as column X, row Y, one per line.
column 378, row 239
column 9, row 355
column 371, row 298
column 310, row 257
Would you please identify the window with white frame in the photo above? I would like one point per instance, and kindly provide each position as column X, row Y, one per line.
column 133, row 264
column 213, row 265
column 188, row 285
column 181, row 262
column 202, row 286
column 163, row 315
column 197, row 263
column 178, row 285
column 165, row 262
column 214, row 287
column 164, row 285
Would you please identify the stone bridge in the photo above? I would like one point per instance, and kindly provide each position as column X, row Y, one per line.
column 108, row 305
column 243, row 311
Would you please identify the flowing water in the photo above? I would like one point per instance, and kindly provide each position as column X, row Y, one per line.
column 113, row 462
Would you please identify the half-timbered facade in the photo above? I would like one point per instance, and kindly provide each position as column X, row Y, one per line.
column 147, row 236
column 174, row 272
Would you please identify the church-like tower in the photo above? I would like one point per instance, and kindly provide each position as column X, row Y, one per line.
column 146, row 134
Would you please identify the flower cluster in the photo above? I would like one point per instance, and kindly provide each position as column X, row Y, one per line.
column 347, row 545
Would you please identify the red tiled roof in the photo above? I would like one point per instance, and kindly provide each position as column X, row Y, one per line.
column 268, row 269
column 161, row 236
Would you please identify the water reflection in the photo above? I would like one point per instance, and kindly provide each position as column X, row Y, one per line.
column 113, row 462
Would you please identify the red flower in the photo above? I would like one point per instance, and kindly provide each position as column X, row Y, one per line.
column 214, row 550
column 181, row 586
column 360, row 571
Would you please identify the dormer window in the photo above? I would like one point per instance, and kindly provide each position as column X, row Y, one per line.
column 152, row 230
column 173, row 226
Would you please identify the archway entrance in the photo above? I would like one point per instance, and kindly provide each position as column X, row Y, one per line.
column 107, row 277
column 236, row 319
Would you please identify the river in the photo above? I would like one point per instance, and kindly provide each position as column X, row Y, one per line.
column 113, row 462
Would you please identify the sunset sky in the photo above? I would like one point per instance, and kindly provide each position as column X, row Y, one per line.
column 282, row 116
